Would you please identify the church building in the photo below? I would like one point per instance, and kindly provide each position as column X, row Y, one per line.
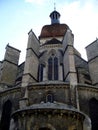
column 54, row 88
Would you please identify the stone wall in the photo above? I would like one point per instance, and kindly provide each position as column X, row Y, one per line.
column 38, row 93
column 50, row 117
column 13, row 95
column 92, row 54
column 86, row 93
column 10, row 66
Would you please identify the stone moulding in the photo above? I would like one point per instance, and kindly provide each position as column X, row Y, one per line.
column 47, row 108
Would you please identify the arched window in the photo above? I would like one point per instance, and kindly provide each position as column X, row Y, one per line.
column 49, row 98
column 93, row 109
column 6, row 113
column 50, row 69
column 40, row 72
column 53, row 68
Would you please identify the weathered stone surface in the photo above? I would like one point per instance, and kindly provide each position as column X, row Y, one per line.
column 31, row 99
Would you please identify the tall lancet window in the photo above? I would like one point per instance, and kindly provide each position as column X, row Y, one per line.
column 50, row 70
column 40, row 74
column 6, row 115
column 53, row 68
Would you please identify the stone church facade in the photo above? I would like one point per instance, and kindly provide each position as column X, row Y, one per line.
column 54, row 88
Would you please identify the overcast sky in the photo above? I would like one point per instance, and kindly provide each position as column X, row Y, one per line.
column 18, row 17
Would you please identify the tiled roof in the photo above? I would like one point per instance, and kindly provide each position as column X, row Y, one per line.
column 53, row 30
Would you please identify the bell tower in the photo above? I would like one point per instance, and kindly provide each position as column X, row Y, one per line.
column 55, row 16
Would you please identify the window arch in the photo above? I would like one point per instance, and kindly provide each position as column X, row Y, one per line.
column 6, row 113
column 40, row 72
column 50, row 70
column 49, row 98
column 53, row 68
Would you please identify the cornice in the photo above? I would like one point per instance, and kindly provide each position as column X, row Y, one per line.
column 48, row 86
column 87, row 88
column 9, row 91
column 51, row 46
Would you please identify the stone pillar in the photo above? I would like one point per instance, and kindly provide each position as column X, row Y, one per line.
column 68, row 59
column 44, row 74
column 12, row 124
column 87, row 123
column 30, row 74
column 60, row 72
column 69, row 65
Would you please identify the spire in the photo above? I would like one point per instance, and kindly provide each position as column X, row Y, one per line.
column 55, row 16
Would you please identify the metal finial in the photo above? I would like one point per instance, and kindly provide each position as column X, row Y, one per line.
column 54, row 6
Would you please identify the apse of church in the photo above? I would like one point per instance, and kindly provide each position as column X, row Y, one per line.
column 54, row 88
